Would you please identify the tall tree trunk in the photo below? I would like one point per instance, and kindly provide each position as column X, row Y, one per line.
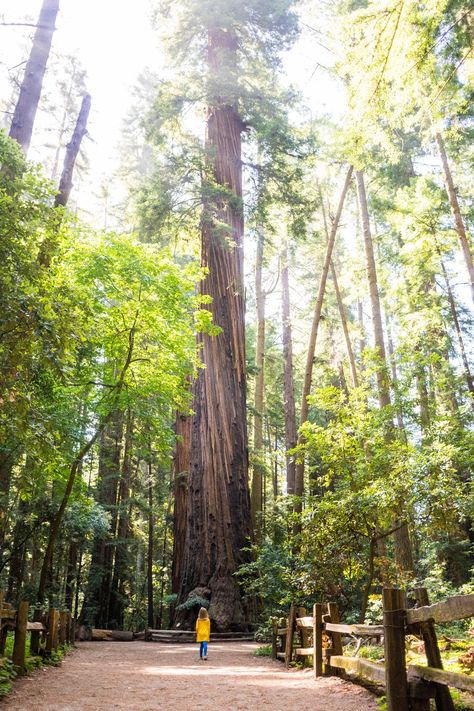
column 457, row 328
column 150, row 602
column 258, row 468
column 25, row 110
column 72, row 151
column 180, row 490
column 455, row 209
column 96, row 606
column 402, row 543
column 65, row 184
column 382, row 375
column 288, row 380
column 219, row 522
column 308, row 375
column 121, row 562
column 393, row 368
column 340, row 305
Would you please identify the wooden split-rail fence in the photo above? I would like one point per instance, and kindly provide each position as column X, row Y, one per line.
column 48, row 631
column 407, row 688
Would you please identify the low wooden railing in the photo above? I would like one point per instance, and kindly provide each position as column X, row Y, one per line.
column 407, row 688
column 48, row 631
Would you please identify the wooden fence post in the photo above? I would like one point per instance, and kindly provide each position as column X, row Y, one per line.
column 289, row 636
column 52, row 634
column 19, row 644
column 63, row 628
column 336, row 637
column 35, row 636
column 274, row 638
column 394, row 643
column 444, row 701
column 318, row 639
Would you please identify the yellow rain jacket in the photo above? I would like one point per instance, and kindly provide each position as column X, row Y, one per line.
column 203, row 630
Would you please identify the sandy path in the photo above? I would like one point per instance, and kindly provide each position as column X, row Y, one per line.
column 140, row 676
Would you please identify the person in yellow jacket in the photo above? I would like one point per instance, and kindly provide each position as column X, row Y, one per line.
column 203, row 632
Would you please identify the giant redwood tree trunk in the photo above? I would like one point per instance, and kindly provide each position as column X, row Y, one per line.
column 219, row 502
column 25, row 110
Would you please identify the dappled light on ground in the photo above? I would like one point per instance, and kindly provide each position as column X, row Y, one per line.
column 140, row 676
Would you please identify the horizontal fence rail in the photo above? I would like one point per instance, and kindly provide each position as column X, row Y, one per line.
column 408, row 688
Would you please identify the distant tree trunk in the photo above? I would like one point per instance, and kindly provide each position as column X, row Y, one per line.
column 96, row 606
column 340, row 305
column 382, row 377
column 258, row 468
column 457, row 328
column 393, row 367
column 288, row 380
column 150, row 602
column 180, row 490
column 25, row 110
column 219, row 521
column 360, row 317
column 308, row 375
column 401, row 536
column 65, row 184
column 72, row 151
column 456, row 210
column 71, row 574
column 121, row 562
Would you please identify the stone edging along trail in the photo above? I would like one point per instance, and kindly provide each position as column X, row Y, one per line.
column 141, row 676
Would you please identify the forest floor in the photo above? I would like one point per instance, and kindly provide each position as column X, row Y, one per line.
column 141, row 676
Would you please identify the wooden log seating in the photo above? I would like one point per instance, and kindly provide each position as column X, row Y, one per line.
column 48, row 632
column 407, row 688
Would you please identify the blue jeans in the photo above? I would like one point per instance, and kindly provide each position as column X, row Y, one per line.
column 203, row 650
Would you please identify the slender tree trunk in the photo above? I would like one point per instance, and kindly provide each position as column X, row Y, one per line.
column 219, row 521
column 65, row 184
column 457, row 328
column 455, row 209
column 402, row 543
column 393, row 368
column 180, row 489
column 72, row 151
column 121, row 563
column 382, row 376
column 308, row 375
column 25, row 110
column 258, row 468
column 150, row 602
column 340, row 305
column 288, row 379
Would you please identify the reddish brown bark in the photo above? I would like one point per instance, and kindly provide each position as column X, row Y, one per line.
column 219, row 522
column 72, row 151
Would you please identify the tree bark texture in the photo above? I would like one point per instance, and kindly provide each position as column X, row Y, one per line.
column 382, row 375
column 150, row 601
column 180, row 486
column 219, row 521
column 25, row 110
column 258, row 468
column 456, row 210
column 308, row 375
column 288, row 379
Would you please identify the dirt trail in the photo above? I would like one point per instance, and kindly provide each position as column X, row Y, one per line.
column 140, row 676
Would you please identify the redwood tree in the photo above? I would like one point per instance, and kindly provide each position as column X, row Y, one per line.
column 226, row 43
